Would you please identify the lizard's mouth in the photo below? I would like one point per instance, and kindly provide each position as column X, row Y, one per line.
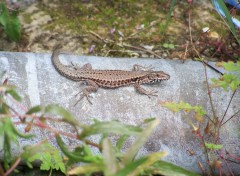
column 167, row 77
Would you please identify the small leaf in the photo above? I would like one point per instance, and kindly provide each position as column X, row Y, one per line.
column 141, row 139
column 86, row 169
column 13, row 93
column 82, row 154
column 49, row 156
column 207, row 128
column 35, row 109
column 213, row 146
column 120, row 142
column 46, row 161
column 176, row 107
column 110, row 127
column 131, row 167
column 198, row 117
column 151, row 159
column 226, row 81
column 149, row 120
column 109, row 158
column 169, row 169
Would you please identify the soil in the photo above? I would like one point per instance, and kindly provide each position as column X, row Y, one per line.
column 126, row 28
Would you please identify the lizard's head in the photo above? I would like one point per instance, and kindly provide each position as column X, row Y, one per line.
column 156, row 76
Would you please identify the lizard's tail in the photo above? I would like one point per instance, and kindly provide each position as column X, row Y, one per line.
column 64, row 70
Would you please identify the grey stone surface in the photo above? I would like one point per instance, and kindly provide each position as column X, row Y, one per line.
column 40, row 83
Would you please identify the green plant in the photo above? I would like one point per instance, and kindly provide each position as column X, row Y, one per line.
column 110, row 160
column 221, row 7
column 173, row 2
column 10, row 23
column 209, row 134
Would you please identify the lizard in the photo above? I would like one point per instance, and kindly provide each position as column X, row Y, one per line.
column 108, row 78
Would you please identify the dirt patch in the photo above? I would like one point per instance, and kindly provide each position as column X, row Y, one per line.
column 124, row 29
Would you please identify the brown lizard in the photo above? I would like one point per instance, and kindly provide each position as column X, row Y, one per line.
column 109, row 78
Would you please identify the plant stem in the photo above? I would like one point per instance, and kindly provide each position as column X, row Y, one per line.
column 231, row 117
column 1, row 170
column 13, row 166
column 205, row 150
column 209, row 94
column 227, row 107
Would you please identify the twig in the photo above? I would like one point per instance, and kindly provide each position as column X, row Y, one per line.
column 212, row 67
column 205, row 150
column 231, row 117
column 122, row 51
column 99, row 37
column 209, row 92
column 1, row 171
column 124, row 45
column 42, row 125
column 151, row 25
column 226, row 163
column 142, row 49
column 227, row 107
column 190, row 34
column 13, row 166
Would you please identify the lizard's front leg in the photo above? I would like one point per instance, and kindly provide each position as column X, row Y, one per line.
column 91, row 87
column 145, row 92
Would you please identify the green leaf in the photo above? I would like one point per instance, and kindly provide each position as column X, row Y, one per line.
column 213, row 146
column 168, row 46
column 46, row 159
column 173, row 2
column 151, row 159
column 11, row 23
column 4, row 109
column 131, row 167
column 229, row 19
column 141, row 139
column 109, row 158
column 81, row 154
column 10, row 134
column 59, row 161
column 35, row 109
column 13, row 93
column 110, row 127
column 168, row 169
column 86, row 169
column 176, row 107
column 226, row 81
column 7, row 151
column 120, row 142
column 67, row 116
column 230, row 66
column 49, row 156
column 147, row 120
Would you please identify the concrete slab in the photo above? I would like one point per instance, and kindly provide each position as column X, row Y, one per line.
column 40, row 83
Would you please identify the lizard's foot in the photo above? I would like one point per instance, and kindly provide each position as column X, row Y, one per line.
column 149, row 93
column 84, row 93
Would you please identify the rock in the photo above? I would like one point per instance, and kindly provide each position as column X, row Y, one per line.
column 36, row 78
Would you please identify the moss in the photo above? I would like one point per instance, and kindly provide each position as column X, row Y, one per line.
column 125, row 16
column 27, row 18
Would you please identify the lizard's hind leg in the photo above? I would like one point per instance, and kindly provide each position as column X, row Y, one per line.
column 91, row 87
column 141, row 90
